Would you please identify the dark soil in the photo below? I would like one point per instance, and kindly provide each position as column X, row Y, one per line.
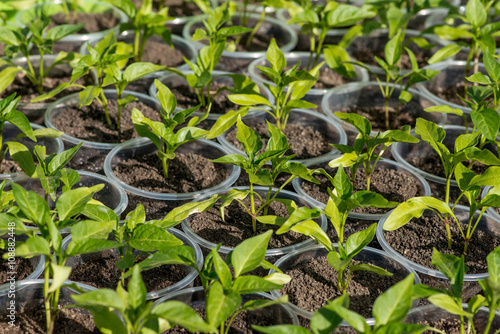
column 160, row 53
column 237, row 226
column 21, row 267
column 32, row 321
column 188, row 172
column 393, row 185
column 93, row 22
column 303, row 42
column 88, row 159
column 365, row 50
column 314, row 283
column 306, row 142
column 187, row 98
column 89, row 122
column 352, row 226
column 416, row 240
column 233, row 65
column 451, row 325
column 9, row 166
column 154, row 208
column 101, row 272
column 176, row 8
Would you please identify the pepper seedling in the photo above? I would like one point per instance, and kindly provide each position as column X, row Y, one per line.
column 288, row 89
column 340, row 203
column 363, row 150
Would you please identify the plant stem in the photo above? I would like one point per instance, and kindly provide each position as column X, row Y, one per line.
column 106, row 111
column 252, row 206
column 165, row 163
column 268, row 196
column 256, row 28
column 386, row 98
column 490, row 320
column 137, row 39
column 3, row 152
column 320, row 46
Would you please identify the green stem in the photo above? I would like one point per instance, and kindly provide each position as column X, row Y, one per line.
column 165, row 163
column 386, row 98
column 491, row 316
column 268, row 196
column 106, row 111
column 320, row 46
column 2, row 154
column 256, row 28
column 137, row 40
column 42, row 75
column 252, row 205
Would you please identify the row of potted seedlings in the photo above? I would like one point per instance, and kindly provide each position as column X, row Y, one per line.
column 291, row 185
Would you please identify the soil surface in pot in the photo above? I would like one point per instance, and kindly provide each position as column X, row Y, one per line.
column 306, row 142
column 393, row 185
column 32, row 321
column 365, row 50
column 160, row 53
column 187, row 98
column 314, row 283
column 237, row 226
column 416, row 240
column 188, row 172
column 451, row 325
column 352, row 226
column 89, row 122
column 233, row 65
column 154, row 208
column 93, row 22
column 22, row 268
column 102, row 272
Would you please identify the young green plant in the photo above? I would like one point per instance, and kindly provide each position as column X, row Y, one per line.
column 288, row 89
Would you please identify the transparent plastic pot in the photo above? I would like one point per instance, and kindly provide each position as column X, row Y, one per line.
column 491, row 211
column 368, row 94
column 188, row 50
column 29, row 295
column 10, row 132
column 431, row 313
column 487, row 224
column 378, row 39
column 73, row 41
column 451, row 73
column 284, row 194
column 270, row 26
column 111, row 195
column 331, row 130
column 173, row 81
column 37, row 263
column 195, row 298
column 135, row 148
column 91, row 155
column 36, row 111
column 368, row 254
column 382, row 164
column 186, row 282
column 314, row 95
column 176, row 25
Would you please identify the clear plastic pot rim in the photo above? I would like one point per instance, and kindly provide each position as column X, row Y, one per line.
column 440, row 67
column 491, row 210
column 310, row 161
column 176, row 40
column 188, row 291
column 417, row 267
column 297, row 185
column 270, row 252
column 140, row 142
column 396, row 153
column 308, row 314
column 250, row 54
column 183, row 282
column 409, row 32
column 431, row 307
column 39, row 283
column 58, row 141
column 87, row 36
column 213, row 117
column 87, row 143
column 355, row 86
column 253, row 71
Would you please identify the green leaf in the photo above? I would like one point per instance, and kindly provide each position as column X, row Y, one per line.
column 63, row 30
column 225, row 122
column 393, row 49
column 89, row 246
column 148, row 238
column 445, row 109
column 452, row 267
column 444, row 53
column 281, row 329
column 492, row 66
column 488, row 178
column 88, row 95
column 405, row 96
column 493, row 260
column 21, row 122
column 359, row 122
column 234, row 159
column 342, row 184
column 487, row 121
column 476, row 13
column 31, row 204
column 91, row 230
column 346, row 15
column 325, row 320
column 275, row 57
column 8, row 75
column 139, row 70
column 394, row 304
column 370, row 267
column 221, row 304
column 136, row 289
column 183, row 255
column 431, row 133
column 178, row 313
column 61, row 159
column 338, row 60
column 249, row 139
column 73, row 201
column 249, row 254
column 182, row 212
column 221, row 269
column 248, row 99
column 22, row 156
column 355, row 320
column 314, row 231
column 449, row 304
column 33, row 246
column 479, row 78
column 60, row 275
column 253, row 284
column 359, row 240
column 101, row 297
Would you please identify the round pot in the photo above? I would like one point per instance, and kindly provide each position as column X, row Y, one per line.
column 284, row 194
column 142, row 85
column 186, row 282
column 332, row 131
column 367, row 95
column 491, row 211
column 382, row 164
column 315, row 95
column 28, row 294
column 174, row 81
column 35, row 111
column 374, row 256
column 140, row 146
column 37, row 263
column 177, row 25
column 379, row 38
column 10, row 132
column 91, row 155
column 487, row 224
column 195, row 298
column 431, row 313
column 74, row 41
column 271, row 27
column 451, row 74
